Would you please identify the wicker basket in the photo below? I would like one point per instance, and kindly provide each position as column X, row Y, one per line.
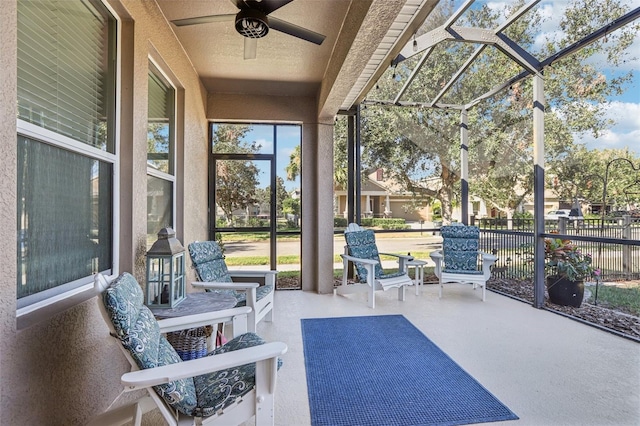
column 190, row 343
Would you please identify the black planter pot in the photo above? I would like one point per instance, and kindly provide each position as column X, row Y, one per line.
column 565, row 292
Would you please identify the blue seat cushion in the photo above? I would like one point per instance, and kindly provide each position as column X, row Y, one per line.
column 222, row 388
column 138, row 331
column 460, row 245
column 362, row 244
column 241, row 296
column 208, row 259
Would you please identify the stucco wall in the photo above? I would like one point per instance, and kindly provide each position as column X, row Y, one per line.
column 7, row 200
column 65, row 369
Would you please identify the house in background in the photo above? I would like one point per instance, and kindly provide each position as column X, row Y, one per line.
column 382, row 197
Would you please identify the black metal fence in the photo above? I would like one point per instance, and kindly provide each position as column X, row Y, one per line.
column 614, row 244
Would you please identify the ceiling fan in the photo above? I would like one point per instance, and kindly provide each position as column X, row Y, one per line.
column 253, row 22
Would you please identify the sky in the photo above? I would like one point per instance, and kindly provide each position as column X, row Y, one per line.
column 288, row 137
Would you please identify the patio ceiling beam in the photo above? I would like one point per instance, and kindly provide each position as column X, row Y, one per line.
column 430, row 39
column 482, row 36
column 414, row 74
column 378, row 102
column 459, row 73
column 524, row 9
column 471, row 35
column 500, row 41
column 594, row 36
column 442, row 33
column 583, row 42
column 497, row 89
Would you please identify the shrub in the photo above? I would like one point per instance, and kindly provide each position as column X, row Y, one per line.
column 385, row 223
column 339, row 222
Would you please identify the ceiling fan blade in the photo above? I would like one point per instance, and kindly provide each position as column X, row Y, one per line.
column 203, row 20
column 296, row 31
column 268, row 6
column 250, row 47
column 238, row 3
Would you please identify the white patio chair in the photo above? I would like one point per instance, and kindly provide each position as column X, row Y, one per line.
column 229, row 386
column 361, row 249
column 458, row 260
column 213, row 275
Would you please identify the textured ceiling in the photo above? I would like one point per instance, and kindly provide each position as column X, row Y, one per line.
column 290, row 65
column 359, row 34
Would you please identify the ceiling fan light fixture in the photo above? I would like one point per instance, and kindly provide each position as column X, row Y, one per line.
column 252, row 23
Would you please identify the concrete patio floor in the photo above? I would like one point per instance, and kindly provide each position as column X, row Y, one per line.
column 548, row 369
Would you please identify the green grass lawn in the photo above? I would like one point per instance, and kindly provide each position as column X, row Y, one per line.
column 626, row 299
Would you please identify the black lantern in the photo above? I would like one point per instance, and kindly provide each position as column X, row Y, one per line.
column 165, row 271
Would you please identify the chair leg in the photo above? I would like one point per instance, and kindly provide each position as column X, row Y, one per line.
column 269, row 316
column 266, row 373
column 128, row 414
column 401, row 292
column 440, row 290
column 372, row 297
column 251, row 320
column 371, row 282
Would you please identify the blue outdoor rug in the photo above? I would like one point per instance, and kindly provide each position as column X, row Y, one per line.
column 382, row 371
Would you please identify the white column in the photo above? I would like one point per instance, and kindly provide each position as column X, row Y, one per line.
column 387, row 207
column 538, row 188
column 464, row 167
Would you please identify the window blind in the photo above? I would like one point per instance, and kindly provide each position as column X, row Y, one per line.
column 159, row 107
column 63, row 68
column 160, row 125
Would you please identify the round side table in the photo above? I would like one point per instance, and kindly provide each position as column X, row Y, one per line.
column 418, row 275
column 195, row 342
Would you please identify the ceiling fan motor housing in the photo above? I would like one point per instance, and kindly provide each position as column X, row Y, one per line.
column 252, row 23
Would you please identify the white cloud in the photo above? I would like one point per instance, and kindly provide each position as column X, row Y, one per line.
column 286, row 152
column 267, row 145
column 624, row 133
column 626, row 115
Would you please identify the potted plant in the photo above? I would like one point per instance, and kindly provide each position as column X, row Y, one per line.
column 567, row 267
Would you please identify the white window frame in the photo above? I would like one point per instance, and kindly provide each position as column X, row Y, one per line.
column 151, row 171
column 62, row 300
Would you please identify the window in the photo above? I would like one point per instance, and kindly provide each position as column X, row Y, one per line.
column 66, row 147
column 160, row 154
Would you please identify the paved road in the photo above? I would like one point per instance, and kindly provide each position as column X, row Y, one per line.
column 385, row 244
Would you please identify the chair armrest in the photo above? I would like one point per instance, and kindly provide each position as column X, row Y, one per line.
column 269, row 276
column 224, row 286
column 141, row 379
column 488, row 256
column 402, row 260
column 436, row 255
column 399, row 256
column 201, row 320
column 245, row 273
column 437, row 258
column 359, row 260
